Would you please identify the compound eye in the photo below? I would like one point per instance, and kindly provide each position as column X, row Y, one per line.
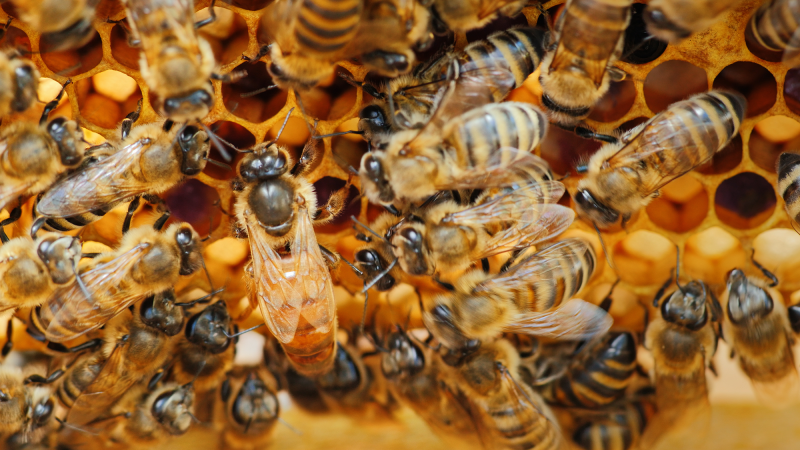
column 276, row 71
column 171, row 105
column 184, row 237
column 188, row 133
column 367, row 257
column 657, row 17
column 373, row 168
column 411, row 235
column 374, row 114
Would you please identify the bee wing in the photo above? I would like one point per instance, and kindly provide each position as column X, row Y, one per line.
column 313, row 277
column 553, row 220
column 505, row 167
column 791, row 55
column 110, row 384
column 488, row 7
column 573, row 320
column 527, row 201
column 154, row 21
column 101, row 183
column 68, row 313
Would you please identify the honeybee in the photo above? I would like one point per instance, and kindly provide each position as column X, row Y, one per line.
column 468, row 15
column 788, row 182
column 624, row 177
column 207, row 352
column 32, row 156
column 675, row 20
column 530, row 297
column 277, row 206
column 682, row 340
column 64, row 24
column 507, row 414
column 147, row 261
column 250, row 408
column 26, row 412
column 19, row 83
column 176, row 63
column 148, row 160
column 769, row 26
column 759, row 332
column 577, row 71
column 618, row 427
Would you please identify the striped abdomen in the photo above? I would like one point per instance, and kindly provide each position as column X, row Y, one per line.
column 515, row 423
column 775, row 22
column 310, row 352
column 79, row 377
column 601, row 379
column 64, row 224
column 620, row 430
column 789, row 183
column 324, row 27
column 765, row 354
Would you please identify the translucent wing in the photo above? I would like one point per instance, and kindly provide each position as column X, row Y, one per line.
column 553, row 220
column 68, row 313
column 505, row 167
column 156, row 21
column 524, row 203
column 791, row 55
column 573, row 320
column 100, row 183
column 313, row 277
column 110, row 384
column 10, row 190
column 488, row 7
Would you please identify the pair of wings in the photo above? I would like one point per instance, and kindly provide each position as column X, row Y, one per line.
column 286, row 290
column 97, row 184
column 154, row 21
column 70, row 313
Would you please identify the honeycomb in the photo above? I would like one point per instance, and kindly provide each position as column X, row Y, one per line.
column 715, row 216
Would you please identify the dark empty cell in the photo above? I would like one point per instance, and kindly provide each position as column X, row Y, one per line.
column 745, row 200
column 326, row 187
column 564, row 150
column 16, row 39
column 348, row 152
column 791, row 90
column 122, row 52
column 195, row 203
column 771, row 137
column 755, row 82
column 239, row 137
column 631, row 124
column 250, row 96
column 73, row 62
column 673, row 81
column 615, row 103
column 640, row 46
column 501, row 23
column 726, row 159
column 9, row 9
column 759, row 50
column 250, row 5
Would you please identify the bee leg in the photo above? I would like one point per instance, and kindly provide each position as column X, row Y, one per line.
column 14, row 216
column 51, row 105
column 336, row 203
column 588, row 133
column 38, row 379
column 713, row 368
column 123, row 23
column 212, row 17
column 763, row 270
column 625, row 219
column 132, row 207
column 155, row 379
column 160, row 206
column 9, row 338
column 88, row 345
column 366, row 87
column 606, row 303
column 130, row 119
column 37, row 225
column 445, row 285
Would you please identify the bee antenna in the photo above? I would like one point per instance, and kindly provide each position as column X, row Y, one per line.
column 280, row 131
column 204, row 299
column 678, row 269
column 217, row 141
column 239, row 333
column 218, row 164
column 208, row 275
column 196, row 375
column 379, row 276
column 196, row 420
column 364, row 311
column 64, row 423
column 354, row 219
column 603, row 245
column 286, row 424
column 256, row 92
column 303, row 111
column 247, row 425
column 340, row 133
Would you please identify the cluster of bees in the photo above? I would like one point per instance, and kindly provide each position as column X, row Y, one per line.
column 507, row 358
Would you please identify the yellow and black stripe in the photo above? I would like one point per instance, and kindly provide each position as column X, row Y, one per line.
column 323, row 27
column 789, row 184
column 620, row 430
column 64, row 224
column 774, row 24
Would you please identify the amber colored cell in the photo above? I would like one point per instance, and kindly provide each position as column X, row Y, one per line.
column 69, row 63
column 771, row 137
column 101, row 111
column 626, row 309
column 682, row 206
column 565, row 150
column 644, row 258
column 791, row 90
column 758, row 50
column 250, row 5
column 778, row 250
column 348, row 152
column 200, row 208
column 316, row 103
column 326, row 187
column 247, row 96
column 745, row 200
column 122, row 52
column 711, row 254
column 726, row 159
column 16, row 39
column 295, row 134
column 673, row 81
column 753, row 81
column 631, row 124
column 115, row 85
column 233, row 48
column 615, row 103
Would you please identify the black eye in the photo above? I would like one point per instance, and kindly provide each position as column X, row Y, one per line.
column 276, row 71
column 657, row 18
column 205, row 98
column 411, row 235
column 374, row 114
column 373, row 168
column 184, row 238
column 161, row 404
column 42, row 412
column 367, row 257
column 56, row 125
column 188, row 133
column 171, row 105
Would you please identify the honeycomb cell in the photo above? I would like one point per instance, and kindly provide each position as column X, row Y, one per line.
column 122, row 52
column 616, row 102
column 726, row 159
column 640, row 47
column 682, row 206
column 236, row 135
column 672, row 81
column 628, row 313
column 644, row 258
column 745, row 200
column 69, row 63
column 199, row 211
column 115, row 85
column 631, row 124
column 778, row 250
column 324, row 188
column 711, row 254
column 227, row 35
column 250, row 5
column 791, row 90
column 251, row 97
column 564, row 150
column 98, row 108
column 755, row 82
column 771, row 137
column 348, row 151
column 16, row 39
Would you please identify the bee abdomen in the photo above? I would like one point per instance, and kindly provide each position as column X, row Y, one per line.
column 310, row 352
column 519, row 50
column 570, row 273
column 774, row 24
column 603, row 436
column 601, row 23
column 326, row 26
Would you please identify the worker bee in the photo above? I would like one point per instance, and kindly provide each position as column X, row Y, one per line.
column 759, row 332
column 618, row 427
column 624, row 177
column 277, row 206
column 530, row 296
column 206, row 354
column 147, row 261
column 507, row 414
column 675, row 20
column 788, row 183
column 250, row 408
column 19, row 83
column 26, row 412
column 682, row 340
column 176, row 63
column 34, row 155
column 64, row 25
column 468, row 15
column 577, row 70
column 148, row 160
column 771, row 28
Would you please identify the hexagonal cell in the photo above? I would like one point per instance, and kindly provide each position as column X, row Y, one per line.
column 711, row 254
column 745, row 200
column 644, row 258
column 564, row 150
column 239, row 137
column 631, row 124
column 778, row 250
column 16, row 39
column 227, row 35
column 246, row 97
column 726, row 159
column 672, row 81
column 69, row 63
column 250, row 5
column 791, row 90
column 682, row 206
column 771, row 137
column 640, row 47
column 755, row 82
column 615, row 103
column 324, row 188
column 107, row 97
column 122, row 52
column 48, row 90
column 626, row 309
column 349, row 148
column 201, row 212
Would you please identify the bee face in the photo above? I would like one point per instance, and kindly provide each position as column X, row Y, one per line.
column 193, row 105
column 208, row 327
column 371, row 264
column 27, row 82
column 194, row 146
column 263, row 165
column 688, row 307
column 746, row 301
column 272, row 202
column 443, row 324
column 404, row 359
column 172, row 409
column 596, row 212
column 69, row 138
column 190, row 249
column 375, row 180
column 61, row 256
column 42, row 412
column 159, row 312
column 412, row 252
column 255, row 406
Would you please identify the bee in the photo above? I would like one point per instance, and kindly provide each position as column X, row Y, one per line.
column 206, row 355
column 468, row 15
column 530, row 297
column 507, row 414
column 176, row 63
column 675, row 20
column 788, row 183
column 624, row 177
column 578, row 68
column 19, row 83
column 33, row 156
column 770, row 27
column 250, row 407
column 682, row 340
column 277, row 206
column 26, row 411
column 618, row 427
column 759, row 332
column 408, row 27
column 147, row 261
column 64, row 25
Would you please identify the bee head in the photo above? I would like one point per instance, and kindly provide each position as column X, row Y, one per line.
column 192, row 105
column 272, row 202
column 594, row 211
column 371, row 264
column 372, row 121
column 74, row 36
column 190, row 248
column 173, row 408
column 661, row 26
column 343, row 377
column 270, row 162
column 403, row 358
column 160, row 312
column 26, row 85
column 442, row 323
column 374, row 180
column 194, row 145
column 746, row 300
column 388, row 63
column 255, row 407
column 413, row 254
column 687, row 306
column 61, row 255
column 42, row 412
column 69, row 139
column 208, row 328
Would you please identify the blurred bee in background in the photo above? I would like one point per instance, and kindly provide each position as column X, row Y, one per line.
column 250, row 408
column 64, row 25
column 675, row 20
column 19, row 83
column 788, row 184
column 147, row 261
column 759, row 332
column 530, row 296
column 206, row 355
column 471, row 14
column 578, row 68
column 26, row 412
column 621, row 178
column 618, row 427
column 303, row 391
column 774, row 26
